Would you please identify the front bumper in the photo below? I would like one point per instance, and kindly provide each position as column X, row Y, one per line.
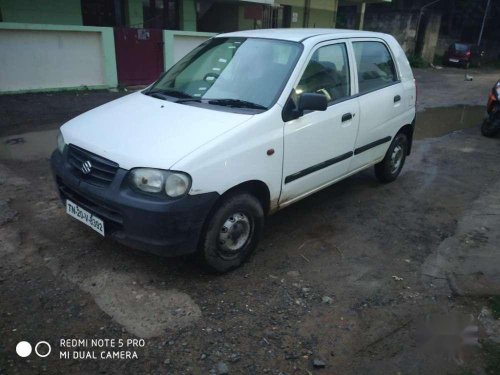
column 161, row 226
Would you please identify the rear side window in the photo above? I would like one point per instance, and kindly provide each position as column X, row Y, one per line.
column 375, row 66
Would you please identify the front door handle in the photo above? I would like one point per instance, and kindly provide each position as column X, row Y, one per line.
column 397, row 98
column 346, row 117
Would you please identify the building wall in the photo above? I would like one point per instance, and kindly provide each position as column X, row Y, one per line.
column 177, row 44
column 401, row 25
column 220, row 17
column 247, row 23
column 297, row 8
column 322, row 13
column 55, row 12
column 46, row 57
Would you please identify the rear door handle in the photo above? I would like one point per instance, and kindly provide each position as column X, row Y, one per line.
column 397, row 98
column 346, row 117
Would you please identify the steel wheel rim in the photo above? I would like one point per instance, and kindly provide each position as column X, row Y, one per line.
column 396, row 158
column 234, row 234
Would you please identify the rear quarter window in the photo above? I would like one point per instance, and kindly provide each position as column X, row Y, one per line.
column 375, row 66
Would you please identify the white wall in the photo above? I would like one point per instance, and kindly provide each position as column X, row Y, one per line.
column 176, row 44
column 40, row 59
column 183, row 44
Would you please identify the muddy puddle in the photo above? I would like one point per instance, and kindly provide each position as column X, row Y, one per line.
column 435, row 122
column 28, row 146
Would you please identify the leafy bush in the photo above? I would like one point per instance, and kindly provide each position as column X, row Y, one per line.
column 494, row 303
column 417, row 62
column 438, row 60
column 491, row 352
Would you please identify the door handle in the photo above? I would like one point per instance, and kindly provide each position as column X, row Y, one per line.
column 346, row 117
column 397, row 98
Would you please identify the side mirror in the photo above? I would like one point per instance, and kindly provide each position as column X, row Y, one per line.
column 306, row 102
column 312, row 102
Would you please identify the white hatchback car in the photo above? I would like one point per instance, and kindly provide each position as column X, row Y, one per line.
column 247, row 123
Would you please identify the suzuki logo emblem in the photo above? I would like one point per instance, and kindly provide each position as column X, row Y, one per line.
column 86, row 167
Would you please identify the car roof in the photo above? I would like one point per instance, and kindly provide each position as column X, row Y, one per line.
column 298, row 35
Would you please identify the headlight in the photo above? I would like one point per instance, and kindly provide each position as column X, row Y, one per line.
column 150, row 180
column 60, row 142
column 177, row 184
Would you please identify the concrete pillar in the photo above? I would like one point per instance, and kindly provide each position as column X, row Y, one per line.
column 133, row 13
column 360, row 15
column 187, row 15
column 335, row 11
column 431, row 37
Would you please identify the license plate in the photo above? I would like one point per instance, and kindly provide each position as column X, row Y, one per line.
column 85, row 217
column 454, row 60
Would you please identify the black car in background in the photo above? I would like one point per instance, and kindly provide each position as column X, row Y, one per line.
column 463, row 54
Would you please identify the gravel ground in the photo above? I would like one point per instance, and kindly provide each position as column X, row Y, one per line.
column 360, row 278
column 447, row 86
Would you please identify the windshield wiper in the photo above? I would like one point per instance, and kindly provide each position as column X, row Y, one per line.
column 157, row 95
column 192, row 99
column 236, row 103
column 162, row 93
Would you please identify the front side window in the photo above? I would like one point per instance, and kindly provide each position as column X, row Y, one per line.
column 232, row 70
column 375, row 66
column 327, row 73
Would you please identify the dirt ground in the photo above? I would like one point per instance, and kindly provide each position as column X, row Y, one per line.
column 360, row 278
column 39, row 111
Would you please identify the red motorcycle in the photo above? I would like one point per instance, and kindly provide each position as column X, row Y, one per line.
column 491, row 124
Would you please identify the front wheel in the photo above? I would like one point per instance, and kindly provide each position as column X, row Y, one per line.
column 232, row 233
column 390, row 167
column 490, row 128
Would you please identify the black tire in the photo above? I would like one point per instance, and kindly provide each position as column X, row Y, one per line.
column 242, row 208
column 387, row 171
column 489, row 128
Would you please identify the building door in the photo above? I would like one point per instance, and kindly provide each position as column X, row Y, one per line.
column 139, row 55
column 280, row 16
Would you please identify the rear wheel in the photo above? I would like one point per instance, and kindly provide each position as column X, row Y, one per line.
column 232, row 233
column 390, row 167
column 490, row 128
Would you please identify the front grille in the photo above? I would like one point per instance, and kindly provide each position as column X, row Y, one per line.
column 102, row 170
column 111, row 216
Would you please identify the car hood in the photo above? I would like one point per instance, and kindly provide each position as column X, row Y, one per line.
column 141, row 131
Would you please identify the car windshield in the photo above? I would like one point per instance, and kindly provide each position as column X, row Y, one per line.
column 236, row 72
column 460, row 47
